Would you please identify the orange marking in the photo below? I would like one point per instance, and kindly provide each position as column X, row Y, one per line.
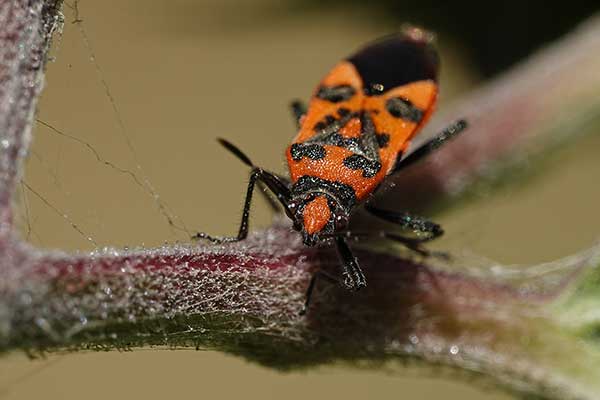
column 343, row 73
column 352, row 128
column 422, row 94
column 332, row 168
column 316, row 215
column 419, row 93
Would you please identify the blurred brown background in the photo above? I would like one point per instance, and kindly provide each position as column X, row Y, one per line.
column 182, row 72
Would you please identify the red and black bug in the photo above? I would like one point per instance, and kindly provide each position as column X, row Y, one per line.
column 355, row 133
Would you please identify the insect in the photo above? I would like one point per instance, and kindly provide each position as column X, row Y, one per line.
column 353, row 135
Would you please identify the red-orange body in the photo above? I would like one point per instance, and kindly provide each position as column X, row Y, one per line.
column 355, row 133
column 356, row 127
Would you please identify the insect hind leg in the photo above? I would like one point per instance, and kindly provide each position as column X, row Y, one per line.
column 409, row 221
column 440, row 139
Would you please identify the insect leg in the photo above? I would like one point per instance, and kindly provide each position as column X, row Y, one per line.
column 413, row 244
column 410, row 243
column 409, row 221
column 354, row 279
column 272, row 203
column 280, row 183
column 444, row 136
column 271, row 182
column 298, row 111
column 311, row 287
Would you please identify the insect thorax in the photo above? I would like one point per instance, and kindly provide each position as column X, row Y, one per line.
column 308, row 186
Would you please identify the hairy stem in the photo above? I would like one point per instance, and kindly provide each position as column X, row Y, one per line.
column 26, row 29
column 246, row 299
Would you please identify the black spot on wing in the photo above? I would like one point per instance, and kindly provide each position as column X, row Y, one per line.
column 335, row 139
column 319, row 126
column 403, row 108
column 312, row 151
column 343, row 111
column 336, row 94
column 393, row 61
column 382, row 139
column 370, row 168
column 329, row 120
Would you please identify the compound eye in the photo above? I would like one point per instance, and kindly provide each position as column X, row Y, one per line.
column 341, row 222
column 292, row 206
column 291, row 209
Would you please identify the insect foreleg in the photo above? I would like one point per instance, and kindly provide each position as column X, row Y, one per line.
column 271, row 182
column 354, row 279
column 278, row 184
